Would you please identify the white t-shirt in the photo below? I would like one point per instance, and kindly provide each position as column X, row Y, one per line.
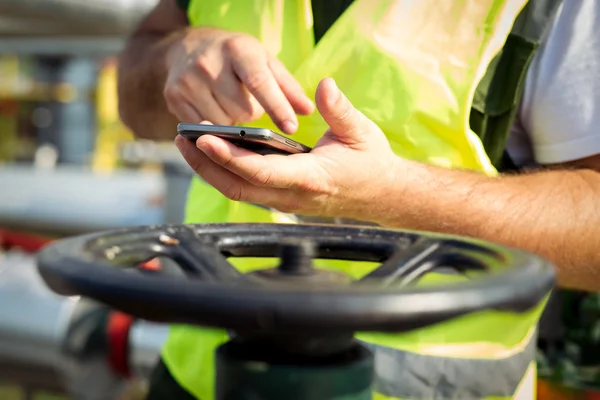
column 559, row 115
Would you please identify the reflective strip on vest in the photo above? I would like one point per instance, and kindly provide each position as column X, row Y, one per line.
column 407, row 375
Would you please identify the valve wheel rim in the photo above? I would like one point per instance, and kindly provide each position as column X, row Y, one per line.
column 217, row 295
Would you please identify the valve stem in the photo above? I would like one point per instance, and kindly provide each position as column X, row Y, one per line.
column 296, row 256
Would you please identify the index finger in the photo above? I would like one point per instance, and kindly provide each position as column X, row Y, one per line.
column 257, row 76
column 274, row 171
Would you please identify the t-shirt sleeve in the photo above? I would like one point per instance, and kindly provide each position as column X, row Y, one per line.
column 560, row 109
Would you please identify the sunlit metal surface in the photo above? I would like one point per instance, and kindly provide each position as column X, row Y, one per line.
column 74, row 17
column 75, row 199
column 176, row 171
column 146, row 338
column 64, row 46
column 68, row 27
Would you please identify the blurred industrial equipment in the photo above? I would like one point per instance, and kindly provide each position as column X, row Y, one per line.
column 58, row 113
column 52, row 345
column 58, row 77
column 68, row 27
column 68, row 165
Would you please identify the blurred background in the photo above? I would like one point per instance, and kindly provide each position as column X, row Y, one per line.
column 60, row 134
column 69, row 166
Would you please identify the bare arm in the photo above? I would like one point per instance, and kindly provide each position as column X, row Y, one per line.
column 352, row 172
column 554, row 213
column 143, row 71
column 170, row 72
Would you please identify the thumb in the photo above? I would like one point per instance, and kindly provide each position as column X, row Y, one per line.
column 347, row 123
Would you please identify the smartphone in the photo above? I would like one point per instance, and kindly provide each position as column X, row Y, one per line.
column 259, row 140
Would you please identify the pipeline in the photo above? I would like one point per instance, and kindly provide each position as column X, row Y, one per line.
column 76, row 17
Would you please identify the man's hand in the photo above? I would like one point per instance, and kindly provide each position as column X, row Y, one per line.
column 353, row 173
column 228, row 78
column 349, row 168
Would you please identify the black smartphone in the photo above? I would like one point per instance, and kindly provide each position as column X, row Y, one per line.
column 259, row 140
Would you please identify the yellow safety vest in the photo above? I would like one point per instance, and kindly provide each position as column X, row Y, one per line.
column 412, row 67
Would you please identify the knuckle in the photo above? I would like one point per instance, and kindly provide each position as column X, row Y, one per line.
column 316, row 185
column 290, row 205
column 204, row 64
column 171, row 93
column 173, row 99
column 233, row 192
column 256, row 80
column 261, row 177
column 346, row 111
column 314, row 188
column 198, row 166
column 198, row 169
column 236, row 45
column 183, row 83
column 227, row 163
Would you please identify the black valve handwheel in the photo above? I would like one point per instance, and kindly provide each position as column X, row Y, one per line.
column 293, row 296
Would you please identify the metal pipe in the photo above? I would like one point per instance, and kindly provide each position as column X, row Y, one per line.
column 102, row 17
column 145, row 340
column 53, row 200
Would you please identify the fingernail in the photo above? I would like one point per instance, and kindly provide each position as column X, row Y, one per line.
column 334, row 92
column 336, row 89
column 289, row 126
column 335, row 86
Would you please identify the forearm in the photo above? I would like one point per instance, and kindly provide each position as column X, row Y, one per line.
column 555, row 214
column 142, row 75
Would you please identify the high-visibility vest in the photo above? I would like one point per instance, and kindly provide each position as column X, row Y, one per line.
column 419, row 69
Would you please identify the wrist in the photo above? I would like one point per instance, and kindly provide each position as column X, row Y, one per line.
column 437, row 199
column 382, row 200
column 399, row 197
